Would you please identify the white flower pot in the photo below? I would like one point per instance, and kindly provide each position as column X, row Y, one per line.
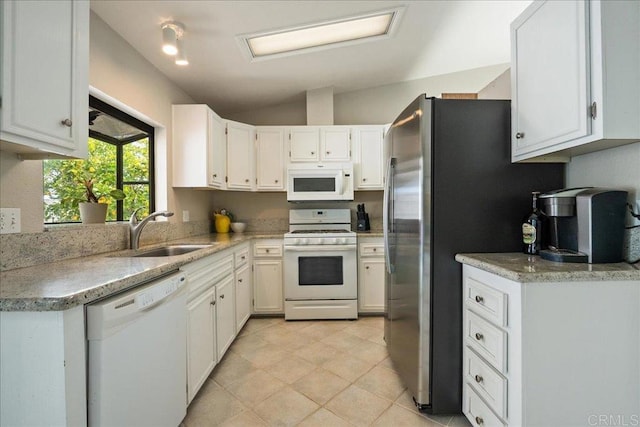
column 93, row 213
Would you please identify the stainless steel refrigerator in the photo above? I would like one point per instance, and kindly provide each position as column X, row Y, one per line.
column 450, row 188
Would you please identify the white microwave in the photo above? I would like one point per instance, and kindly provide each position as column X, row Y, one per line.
column 314, row 181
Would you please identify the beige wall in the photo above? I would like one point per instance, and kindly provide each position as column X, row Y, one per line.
column 613, row 168
column 21, row 187
column 378, row 105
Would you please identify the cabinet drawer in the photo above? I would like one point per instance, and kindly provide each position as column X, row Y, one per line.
column 477, row 411
column 371, row 249
column 486, row 301
column 241, row 256
column 487, row 340
column 267, row 250
column 201, row 278
column 486, row 381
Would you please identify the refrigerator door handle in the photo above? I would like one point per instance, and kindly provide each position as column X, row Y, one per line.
column 387, row 216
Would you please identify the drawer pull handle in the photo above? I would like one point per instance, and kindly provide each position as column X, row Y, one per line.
column 479, row 421
column 479, row 336
column 478, row 378
column 479, row 299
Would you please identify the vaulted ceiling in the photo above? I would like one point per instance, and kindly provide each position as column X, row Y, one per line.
column 433, row 38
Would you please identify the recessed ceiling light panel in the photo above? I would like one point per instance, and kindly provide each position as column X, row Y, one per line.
column 321, row 35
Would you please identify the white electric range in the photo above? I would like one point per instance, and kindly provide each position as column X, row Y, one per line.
column 320, row 265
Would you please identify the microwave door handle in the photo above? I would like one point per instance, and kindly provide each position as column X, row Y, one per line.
column 340, row 184
column 387, row 213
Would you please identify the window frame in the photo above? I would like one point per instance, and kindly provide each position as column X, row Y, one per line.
column 130, row 120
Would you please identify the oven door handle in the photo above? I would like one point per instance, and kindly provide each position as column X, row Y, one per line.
column 320, row 248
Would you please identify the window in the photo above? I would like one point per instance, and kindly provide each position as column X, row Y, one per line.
column 120, row 156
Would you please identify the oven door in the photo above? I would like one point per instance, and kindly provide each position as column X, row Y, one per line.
column 320, row 272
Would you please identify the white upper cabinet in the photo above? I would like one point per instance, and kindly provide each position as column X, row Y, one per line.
column 270, row 163
column 369, row 157
column 44, row 86
column 240, row 156
column 574, row 77
column 319, row 143
column 199, row 147
column 335, row 143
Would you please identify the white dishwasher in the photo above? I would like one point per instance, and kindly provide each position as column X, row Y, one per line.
column 137, row 356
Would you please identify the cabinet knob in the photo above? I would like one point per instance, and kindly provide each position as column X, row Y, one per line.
column 478, row 378
column 364, row 179
column 212, row 303
column 66, row 122
column 479, row 421
column 479, row 299
column 328, row 152
column 367, row 267
column 215, row 175
column 246, row 180
column 479, row 336
column 267, row 250
column 313, row 153
column 276, row 181
column 375, row 249
column 240, row 280
column 222, row 297
column 519, row 135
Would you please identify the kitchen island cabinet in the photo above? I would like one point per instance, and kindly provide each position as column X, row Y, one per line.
column 44, row 107
column 547, row 343
column 574, row 78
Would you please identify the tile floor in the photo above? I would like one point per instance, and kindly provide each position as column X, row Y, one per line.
column 308, row 373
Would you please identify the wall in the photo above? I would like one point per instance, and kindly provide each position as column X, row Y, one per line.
column 378, row 105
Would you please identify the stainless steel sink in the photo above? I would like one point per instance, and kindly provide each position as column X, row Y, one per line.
column 171, row 250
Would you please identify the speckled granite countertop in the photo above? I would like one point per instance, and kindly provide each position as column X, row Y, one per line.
column 525, row 268
column 65, row 284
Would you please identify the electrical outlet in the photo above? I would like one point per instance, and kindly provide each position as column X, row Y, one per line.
column 185, row 216
column 9, row 220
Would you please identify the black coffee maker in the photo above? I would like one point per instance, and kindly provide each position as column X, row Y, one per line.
column 586, row 224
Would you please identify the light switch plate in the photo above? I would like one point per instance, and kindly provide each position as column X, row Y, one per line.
column 185, row 216
column 9, row 220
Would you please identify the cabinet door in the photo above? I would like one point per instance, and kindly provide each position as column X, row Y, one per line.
column 225, row 315
column 268, row 284
column 549, row 74
column 243, row 296
column 45, row 67
column 217, row 155
column 270, row 159
column 240, row 156
column 369, row 158
column 201, row 340
column 335, row 143
column 371, row 281
column 304, row 143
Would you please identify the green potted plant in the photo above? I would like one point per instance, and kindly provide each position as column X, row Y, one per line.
column 94, row 209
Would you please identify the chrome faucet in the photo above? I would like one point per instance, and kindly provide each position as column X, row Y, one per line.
column 135, row 227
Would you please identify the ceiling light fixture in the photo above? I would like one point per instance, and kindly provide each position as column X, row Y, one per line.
column 171, row 32
column 322, row 35
column 181, row 56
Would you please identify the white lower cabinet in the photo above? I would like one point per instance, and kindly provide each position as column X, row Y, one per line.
column 225, row 315
column 371, row 274
column 205, row 277
column 549, row 353
column 268, row 282
column 242, row 285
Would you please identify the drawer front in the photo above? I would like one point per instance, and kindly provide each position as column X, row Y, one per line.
column 486, row 301
column 371, row 249
column 477, row 411
column 487, row 340
column 201, row 279
column 486, row 381
column 241, row 257
column 267, row 250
